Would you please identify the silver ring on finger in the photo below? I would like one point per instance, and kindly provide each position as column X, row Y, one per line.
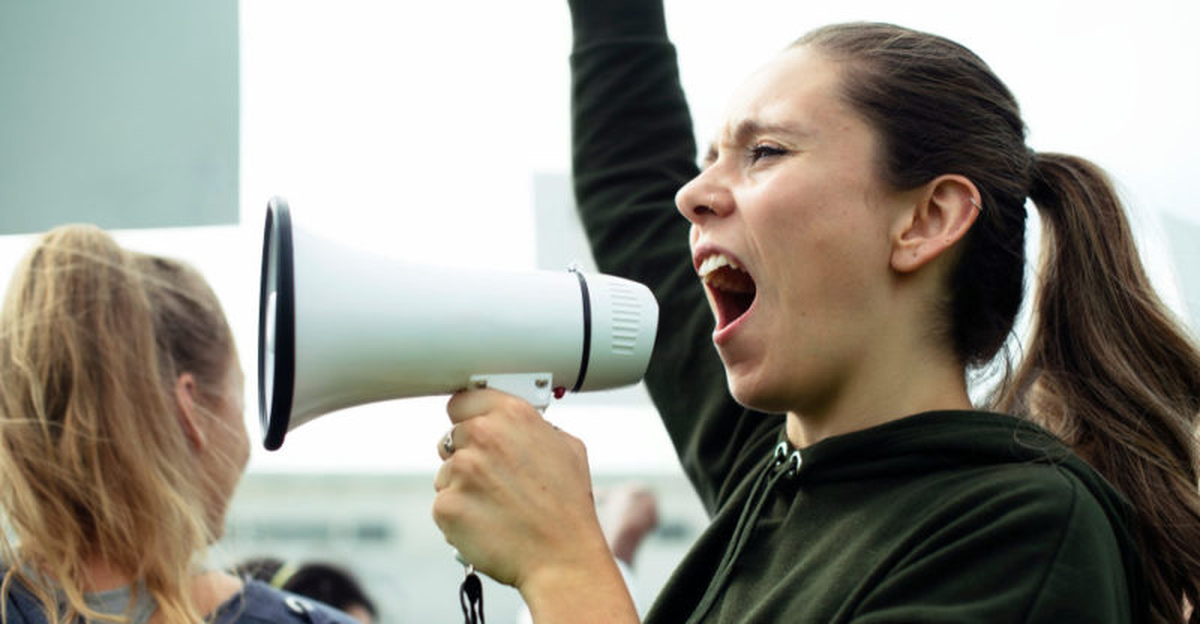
column 448, row 442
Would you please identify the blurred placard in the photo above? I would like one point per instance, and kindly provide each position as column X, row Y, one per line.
column 122, row 113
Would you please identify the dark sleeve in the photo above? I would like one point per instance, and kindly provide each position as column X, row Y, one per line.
column 261, row 604
column 633, row 148
column 1041, row 551
column 21, row 607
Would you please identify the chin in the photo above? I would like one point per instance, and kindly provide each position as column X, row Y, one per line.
column 755, row 395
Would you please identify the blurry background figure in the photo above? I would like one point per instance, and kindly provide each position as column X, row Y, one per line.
column 628, row 513
column 331, row 584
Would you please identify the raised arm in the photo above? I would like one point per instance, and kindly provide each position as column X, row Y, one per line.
column 633, row 148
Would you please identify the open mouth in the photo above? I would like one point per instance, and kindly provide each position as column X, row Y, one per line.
column 731, row 287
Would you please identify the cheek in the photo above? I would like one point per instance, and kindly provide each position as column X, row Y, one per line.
column 236, row 437
column 243, row 443
column 828, row 254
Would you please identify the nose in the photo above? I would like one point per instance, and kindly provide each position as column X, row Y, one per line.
column 702, row 199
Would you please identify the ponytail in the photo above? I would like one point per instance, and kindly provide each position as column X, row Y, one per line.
column 1112, row 373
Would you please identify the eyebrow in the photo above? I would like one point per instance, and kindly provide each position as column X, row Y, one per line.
column 748, row 128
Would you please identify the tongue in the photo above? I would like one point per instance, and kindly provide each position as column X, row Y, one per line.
column 731, row 281
column 733, row 291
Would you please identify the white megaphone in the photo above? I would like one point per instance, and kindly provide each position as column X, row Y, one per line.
column 339, row 327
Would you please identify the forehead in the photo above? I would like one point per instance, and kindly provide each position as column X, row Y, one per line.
column 799, row 90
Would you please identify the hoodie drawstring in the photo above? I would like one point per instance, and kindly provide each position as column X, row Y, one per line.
column 783, row 465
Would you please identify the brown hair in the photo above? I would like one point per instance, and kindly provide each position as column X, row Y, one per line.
column 94, row 461
column 1107, row 368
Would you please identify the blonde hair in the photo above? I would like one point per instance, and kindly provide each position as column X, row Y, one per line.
column 94, row 464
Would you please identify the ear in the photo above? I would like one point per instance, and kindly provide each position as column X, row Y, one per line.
column 941, row 216
column 189, row 414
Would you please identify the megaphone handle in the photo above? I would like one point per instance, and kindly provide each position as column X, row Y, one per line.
column 536, row 388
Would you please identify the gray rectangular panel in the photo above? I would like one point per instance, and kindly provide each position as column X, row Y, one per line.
column 122, row 113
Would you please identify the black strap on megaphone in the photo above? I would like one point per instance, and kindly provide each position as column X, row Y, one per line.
column 470, row 597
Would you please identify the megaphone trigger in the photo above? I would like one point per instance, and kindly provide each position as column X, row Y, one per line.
column 533, row 387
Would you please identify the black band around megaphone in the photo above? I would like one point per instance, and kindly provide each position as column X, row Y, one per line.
column 587, row 330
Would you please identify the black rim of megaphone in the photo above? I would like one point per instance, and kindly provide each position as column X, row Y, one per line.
column 275, row 413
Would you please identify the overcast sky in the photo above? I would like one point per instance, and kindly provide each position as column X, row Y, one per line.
column 416, row 129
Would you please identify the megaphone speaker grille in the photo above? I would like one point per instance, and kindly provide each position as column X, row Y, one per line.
column 626, row 318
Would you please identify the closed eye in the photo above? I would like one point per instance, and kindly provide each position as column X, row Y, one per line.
column 760, row 151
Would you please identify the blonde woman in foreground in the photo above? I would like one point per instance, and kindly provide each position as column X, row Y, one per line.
column 121, row 442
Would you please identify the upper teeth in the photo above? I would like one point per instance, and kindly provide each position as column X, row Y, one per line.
column 714, row 262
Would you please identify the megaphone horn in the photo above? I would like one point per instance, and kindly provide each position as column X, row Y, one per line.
column 340, row 327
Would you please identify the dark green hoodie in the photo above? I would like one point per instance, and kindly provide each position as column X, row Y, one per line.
column 937, row 517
